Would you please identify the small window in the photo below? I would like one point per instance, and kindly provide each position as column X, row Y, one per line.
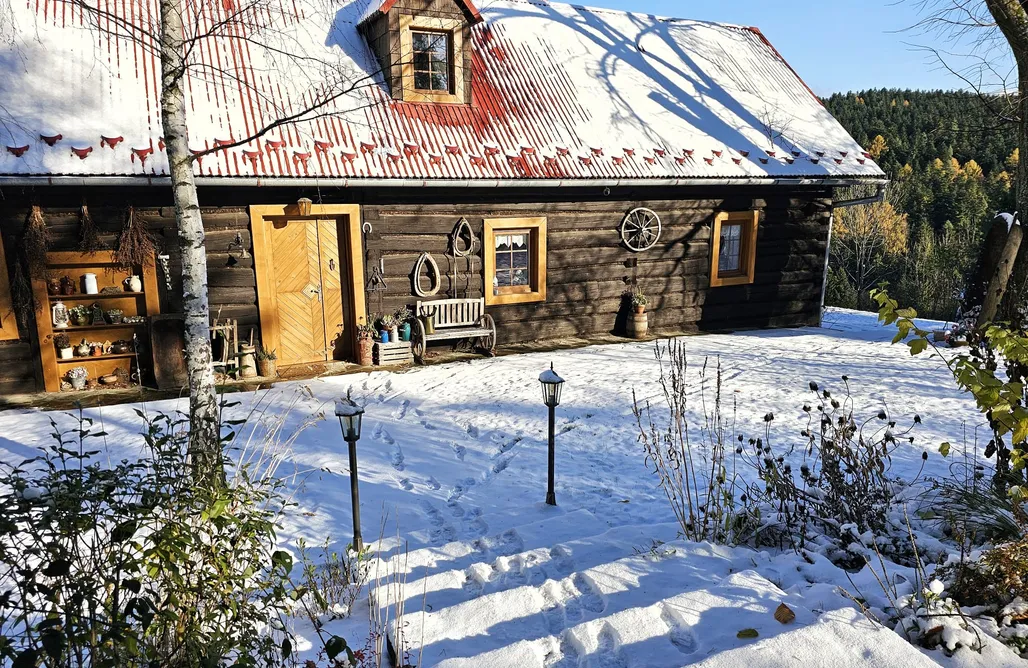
column 515, row 260
column 432, row 56
column 733, row 252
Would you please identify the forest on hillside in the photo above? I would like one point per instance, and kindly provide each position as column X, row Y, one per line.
column 952, row 161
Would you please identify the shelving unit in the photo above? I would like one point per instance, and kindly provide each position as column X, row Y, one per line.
column 108, row 274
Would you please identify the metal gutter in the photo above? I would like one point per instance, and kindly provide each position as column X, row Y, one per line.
column 874, row 199
column 234, row 181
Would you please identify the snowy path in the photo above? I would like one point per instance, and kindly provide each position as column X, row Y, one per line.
column 453, row 461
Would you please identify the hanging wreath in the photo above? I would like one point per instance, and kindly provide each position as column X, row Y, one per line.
column 136, row 246
column 434, row 277
column 37, row 242
column 90, row 240
column 640, row 229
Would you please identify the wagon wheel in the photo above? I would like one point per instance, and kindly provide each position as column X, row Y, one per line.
column 487, row 342
column 419, row 341
column 640, row 229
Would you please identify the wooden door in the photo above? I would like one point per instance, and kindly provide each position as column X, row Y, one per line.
column 305, row 279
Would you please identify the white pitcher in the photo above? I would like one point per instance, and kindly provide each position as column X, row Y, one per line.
column 133, row 284
column 90, row 284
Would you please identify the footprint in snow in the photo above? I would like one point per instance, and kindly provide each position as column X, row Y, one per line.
column 397, row 459
column 588, row 595
column 566, row 656
column 405, row 483
column 380, row 434
column 401, row 412
column 562, row 563
column 427, row 425
column 681, row 637
column 472, row 431
column 433, row 484
column 458, row 451
column 609, row 650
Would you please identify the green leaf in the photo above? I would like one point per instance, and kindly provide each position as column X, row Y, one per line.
column 57, row 568
column 280, row 559
column 944, row 449
column 287, row 648
column 746, row 634
column 918, row 346
column 335, row 646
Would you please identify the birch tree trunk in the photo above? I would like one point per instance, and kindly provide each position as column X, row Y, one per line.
column 1012, row 18
column 204, row 433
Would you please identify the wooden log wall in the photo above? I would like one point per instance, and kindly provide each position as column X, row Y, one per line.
column 588, row 269
column 231, row 281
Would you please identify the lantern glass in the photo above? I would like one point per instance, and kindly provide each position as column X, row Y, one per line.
column 304, row 205
column 552, row 385
column 350, row 419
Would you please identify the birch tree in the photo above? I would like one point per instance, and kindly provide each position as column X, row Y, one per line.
column 326, row 82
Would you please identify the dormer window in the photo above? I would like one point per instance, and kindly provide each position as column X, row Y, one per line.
column 425, row 54
column 433, row 59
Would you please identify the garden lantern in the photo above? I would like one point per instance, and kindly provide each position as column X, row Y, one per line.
column 304, row 205
column 350, row 416
column 552, row 385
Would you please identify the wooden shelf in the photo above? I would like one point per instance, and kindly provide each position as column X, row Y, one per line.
column 96, row 358
column 109, row 274
column 89, row 328
column 102, row 295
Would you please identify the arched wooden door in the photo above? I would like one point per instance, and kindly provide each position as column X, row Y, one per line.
column 310, row 285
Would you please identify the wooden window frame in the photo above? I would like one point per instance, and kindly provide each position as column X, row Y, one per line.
column 8, row 318
column 452, row 27
column 748, row 248
column 536, row 227
column 448, row 36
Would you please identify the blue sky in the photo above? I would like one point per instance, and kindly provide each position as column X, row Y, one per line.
column 835, row 45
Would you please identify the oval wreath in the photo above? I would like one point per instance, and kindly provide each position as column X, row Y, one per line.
column 434, row 277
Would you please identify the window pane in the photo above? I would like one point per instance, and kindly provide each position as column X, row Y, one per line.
column 440, row 81
column 440, row 48
column 730, row 256
column 520, row 259
column 422, row 80
column 421, row 40
column 519, row 241
column 519, row 277
column 513, row 261
column 502, row 243
column 421, row 61
column 503, row 261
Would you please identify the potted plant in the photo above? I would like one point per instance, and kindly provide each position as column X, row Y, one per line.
column 387, row 328
column 267, row 365
column 77, row 377
column 114, row 315
column 63, row 345
column 639, row 301
column 403, row 316
column 365, row 343
column 79, row 316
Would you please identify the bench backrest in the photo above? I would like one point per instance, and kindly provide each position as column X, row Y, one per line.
column 453, row 312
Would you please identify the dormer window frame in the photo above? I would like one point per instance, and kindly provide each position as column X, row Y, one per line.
column 454, row 30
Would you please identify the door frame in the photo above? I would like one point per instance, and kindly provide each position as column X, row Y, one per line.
column 352, row 249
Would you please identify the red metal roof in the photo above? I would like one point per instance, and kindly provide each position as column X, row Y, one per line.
column 559, row 92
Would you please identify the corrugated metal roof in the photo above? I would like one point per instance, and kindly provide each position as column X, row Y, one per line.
column 560, row 92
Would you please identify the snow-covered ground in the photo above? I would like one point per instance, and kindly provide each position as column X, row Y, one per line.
column 453, row 475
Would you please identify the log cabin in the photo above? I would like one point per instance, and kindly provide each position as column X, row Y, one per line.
column 358, row 156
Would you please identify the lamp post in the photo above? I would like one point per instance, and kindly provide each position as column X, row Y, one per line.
column 552, row 385
column 350, row 416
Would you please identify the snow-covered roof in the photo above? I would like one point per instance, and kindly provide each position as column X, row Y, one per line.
column 560, row 92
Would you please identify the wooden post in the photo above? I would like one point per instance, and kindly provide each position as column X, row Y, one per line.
column 1001, row 277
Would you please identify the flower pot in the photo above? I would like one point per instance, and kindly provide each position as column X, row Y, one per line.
column 65, row 353
column 639, row 308
column 405, row 332
column 383, row 335
column 133, row 284
column 364, row 349
column 394, row 333
column 247, row 361
column 78, row 382
column 268, row 368
column 114, row 316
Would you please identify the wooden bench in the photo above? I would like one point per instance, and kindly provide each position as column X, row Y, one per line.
column 454, row 319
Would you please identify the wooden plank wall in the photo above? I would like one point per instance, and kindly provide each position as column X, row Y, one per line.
column 232, row 285
column 588, row 269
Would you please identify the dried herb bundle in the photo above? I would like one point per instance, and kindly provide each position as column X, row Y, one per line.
column 90, row 240
column 136, row 246
column 37, row 242
column 21, row 295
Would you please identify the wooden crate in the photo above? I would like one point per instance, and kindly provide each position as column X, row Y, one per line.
column 390, row 354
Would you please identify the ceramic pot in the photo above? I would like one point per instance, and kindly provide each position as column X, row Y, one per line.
column 53, row 286
column 384, row 335
column 67, row 285
column 364, row 350
column 247, row 361
column 89, row 283
column 78, row 382
column 639, row 308
column 394, row 333
column 405, row 332
column 82, row 349
column 120, row 348
column 114, row 316
column 65, row 353
column 133, row 284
